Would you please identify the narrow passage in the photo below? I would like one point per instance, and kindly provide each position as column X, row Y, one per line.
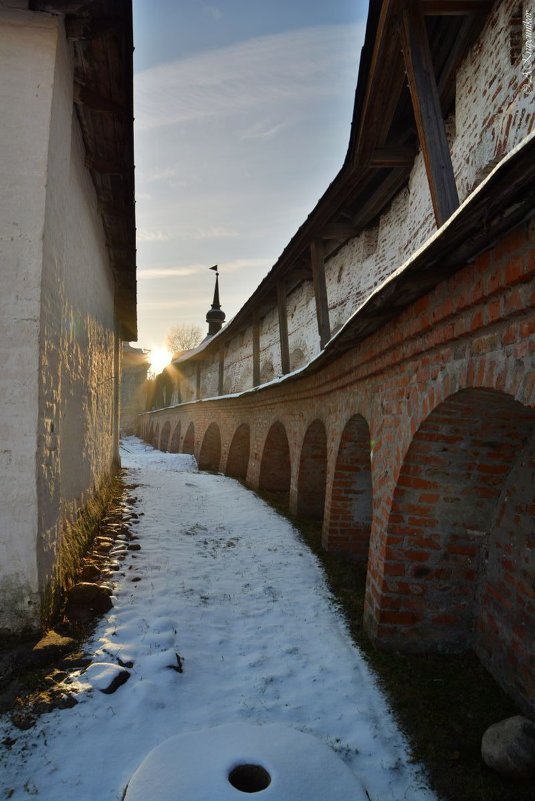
column 226, row 584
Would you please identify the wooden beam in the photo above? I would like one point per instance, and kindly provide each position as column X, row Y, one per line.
column 221, row 374
column 320, row 291
column 427, row 113
column 256, row 349
column 104, row 166
column 111, row 209
column 383, row 88
column 374, row 201
column 283, row 327
column 94, row 101
column 338, row 231
column 455, row 8
column 393, row 157
column 60, row 6
column 81, row 28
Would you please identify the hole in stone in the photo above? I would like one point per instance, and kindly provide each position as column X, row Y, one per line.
column 249, row 778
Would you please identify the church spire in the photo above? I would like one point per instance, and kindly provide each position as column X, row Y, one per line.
column 215, row 317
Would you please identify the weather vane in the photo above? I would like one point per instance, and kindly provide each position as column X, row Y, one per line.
column 215, row 269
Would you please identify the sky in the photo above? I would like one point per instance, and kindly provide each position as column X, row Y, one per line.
column 243, row 112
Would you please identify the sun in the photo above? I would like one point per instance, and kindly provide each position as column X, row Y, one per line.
column 159, row 359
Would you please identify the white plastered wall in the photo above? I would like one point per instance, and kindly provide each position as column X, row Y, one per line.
column 27, row 58
column 77, row 418
column 57, row 329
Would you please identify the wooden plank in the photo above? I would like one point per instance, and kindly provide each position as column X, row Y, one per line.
column 338, row 231
column 84, row 96
column 221, row 375
column 375, row 90
column 455, row 7
column 320, row 291
column 283, row 327
column 256, row 349
column 375, row 200
column 392, row 157
column 104, row 166
column 427, row 113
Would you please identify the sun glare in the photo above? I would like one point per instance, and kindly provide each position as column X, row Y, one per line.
column 159, row 359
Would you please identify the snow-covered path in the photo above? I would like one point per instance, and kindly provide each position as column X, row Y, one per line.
column 226, row 583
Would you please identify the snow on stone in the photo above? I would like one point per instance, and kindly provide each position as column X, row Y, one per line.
column 226, row 585
column 222, row 763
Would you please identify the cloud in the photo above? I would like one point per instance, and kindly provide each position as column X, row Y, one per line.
column 145, row 235
column 213, row 12
column 226, row 267
column 288, row 68
column 163, row 174
column 168, row 272
column 263, row 130
column 234, row 146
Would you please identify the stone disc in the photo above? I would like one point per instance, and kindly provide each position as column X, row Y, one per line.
column 272, row 762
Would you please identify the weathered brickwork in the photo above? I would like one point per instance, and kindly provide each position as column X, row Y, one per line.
column 493, row 113
column 422, row 440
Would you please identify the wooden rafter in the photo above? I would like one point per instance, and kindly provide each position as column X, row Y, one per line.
column 283, row 326
column 256, row 349
column 428, row 113
column 455, row 7
column 320, row 291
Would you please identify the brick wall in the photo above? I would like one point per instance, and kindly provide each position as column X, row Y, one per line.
column 493, row 113
column 427, row 461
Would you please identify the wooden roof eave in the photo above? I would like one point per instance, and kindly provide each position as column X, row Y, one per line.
column 380, row 85
column 102, row 39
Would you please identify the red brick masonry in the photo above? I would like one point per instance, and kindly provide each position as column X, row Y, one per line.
column 417, row 450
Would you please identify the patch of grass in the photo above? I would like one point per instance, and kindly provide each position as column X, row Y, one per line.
column 442, row 703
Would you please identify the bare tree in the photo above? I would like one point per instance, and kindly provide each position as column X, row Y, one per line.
column 183, row 337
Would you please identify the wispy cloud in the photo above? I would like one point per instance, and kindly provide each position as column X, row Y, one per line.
column 263, row 130
column 163, row 174
column 168, row 272
column 226, row 267
column 212, row 11
column 234, row 147
column 290, row 67
column 145, row 235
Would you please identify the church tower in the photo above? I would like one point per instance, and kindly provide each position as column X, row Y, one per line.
column 215, row 317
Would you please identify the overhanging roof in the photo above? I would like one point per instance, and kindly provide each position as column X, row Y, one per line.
column 383, row 142
column 102, row 39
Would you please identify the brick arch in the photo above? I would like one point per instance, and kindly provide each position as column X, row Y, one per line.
column 312, row 475
column 149, row 433
column 175, row 439
column 156, row 436
column 188, row 446
column 348, row 516
column 455, row 573
column 238, row 455
column 210, row 453
column 275, row 466
column 164, row 436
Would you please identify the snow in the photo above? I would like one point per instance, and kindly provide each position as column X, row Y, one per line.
column 225, row 583
column 298, row 766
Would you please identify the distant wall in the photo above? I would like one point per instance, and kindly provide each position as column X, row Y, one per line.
column 493, row 113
